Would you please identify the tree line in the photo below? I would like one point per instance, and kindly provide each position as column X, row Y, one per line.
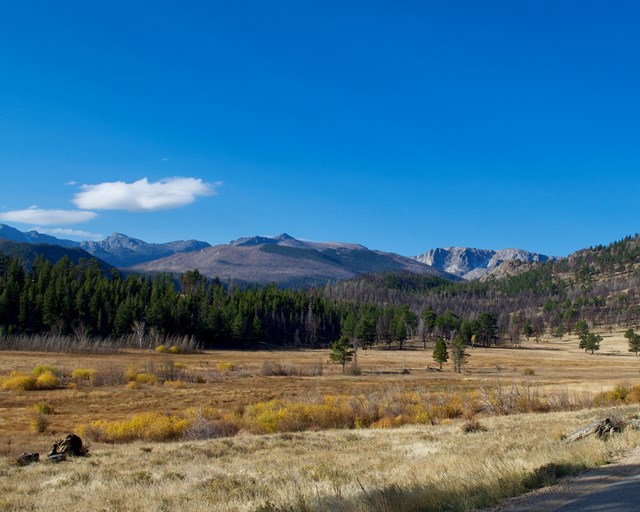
column 80, row 298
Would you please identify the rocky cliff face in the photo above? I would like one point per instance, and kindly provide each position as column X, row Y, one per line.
column 469, row 263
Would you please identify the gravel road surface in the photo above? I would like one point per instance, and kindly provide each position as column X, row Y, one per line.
column 615, row 487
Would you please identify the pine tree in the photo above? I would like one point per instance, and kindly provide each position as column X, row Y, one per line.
column 342, row 352
column 458, row 353
column 634, row 341
column 440, row 353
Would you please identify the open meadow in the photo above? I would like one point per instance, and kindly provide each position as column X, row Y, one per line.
column 287, row 430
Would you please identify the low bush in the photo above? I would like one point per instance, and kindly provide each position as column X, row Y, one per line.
column 18, row 381
column 47, row 380
column 39, row 422
column 43, row 408
column 226, row 367
column 161, row 349
column 87, row 375
column 43, row 368
column 271, row 368
column 151, row 426
column 206, row 426
column 472, row 425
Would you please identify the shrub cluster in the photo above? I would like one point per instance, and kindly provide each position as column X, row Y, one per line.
column 150, row 426
column 272, row 368
column 618, row 395
column 84, row 375
column 376, row 410
column 41, row 377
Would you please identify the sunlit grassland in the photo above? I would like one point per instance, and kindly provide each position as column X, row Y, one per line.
column 306, row 436
column 410, row 468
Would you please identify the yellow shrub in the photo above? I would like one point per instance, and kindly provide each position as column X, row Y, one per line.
column 180, row 366
column 174, row 349
column 141, row 378
column 161, row 349
column 43, row 368
column 39, row 422
column 150, row 426
column 84, row 374
column 18, row 381
column 226, row 367
column 47, row 380
column 633, row 397
column 43, row 408
column 146, row 378
column 132, row 384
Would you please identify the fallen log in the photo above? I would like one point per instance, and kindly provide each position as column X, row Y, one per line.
column 601, row 429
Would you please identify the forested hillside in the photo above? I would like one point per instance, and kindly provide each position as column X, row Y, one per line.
column 79, row 299
column 598, row 285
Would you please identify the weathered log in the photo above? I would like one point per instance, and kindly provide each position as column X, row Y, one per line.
column 601, row 429
column 70, row 445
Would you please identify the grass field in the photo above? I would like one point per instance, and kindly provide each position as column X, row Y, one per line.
column 361, row 469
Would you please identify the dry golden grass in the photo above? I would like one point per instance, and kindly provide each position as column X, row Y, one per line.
column 231, row 380
column 406, row 469
column 217, row 393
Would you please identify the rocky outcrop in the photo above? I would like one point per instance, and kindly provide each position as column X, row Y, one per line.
column 470, row 264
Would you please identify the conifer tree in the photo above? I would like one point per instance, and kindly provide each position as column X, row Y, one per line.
column 440, row 353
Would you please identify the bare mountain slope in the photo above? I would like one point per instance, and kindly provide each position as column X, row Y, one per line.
column 287, row 261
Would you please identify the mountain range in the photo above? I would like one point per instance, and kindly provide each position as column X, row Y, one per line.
column 118, row 250
column 288, row 261
column 283, row 259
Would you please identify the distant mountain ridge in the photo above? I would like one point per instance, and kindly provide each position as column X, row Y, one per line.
column 288, row 261
column 32, row 237
column 470, row 263
column 118, row 250
column 123, row 251
column 283, row 259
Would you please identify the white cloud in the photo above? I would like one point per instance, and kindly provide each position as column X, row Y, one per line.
column 143, row 195
column 73, row 233
column 35, row 215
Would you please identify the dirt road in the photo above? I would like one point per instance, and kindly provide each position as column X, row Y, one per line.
column 615, row 487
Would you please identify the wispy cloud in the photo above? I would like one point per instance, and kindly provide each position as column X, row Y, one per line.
column 35, row 215
column 73, row 233
column 143, row 195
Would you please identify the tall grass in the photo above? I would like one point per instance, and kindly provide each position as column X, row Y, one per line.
column 414, row 468
column 47, row 342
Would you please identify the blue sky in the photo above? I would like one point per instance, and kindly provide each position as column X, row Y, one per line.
column 402, row 126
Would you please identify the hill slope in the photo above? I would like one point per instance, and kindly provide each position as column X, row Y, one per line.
column 288, row 262
column 28, row 252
